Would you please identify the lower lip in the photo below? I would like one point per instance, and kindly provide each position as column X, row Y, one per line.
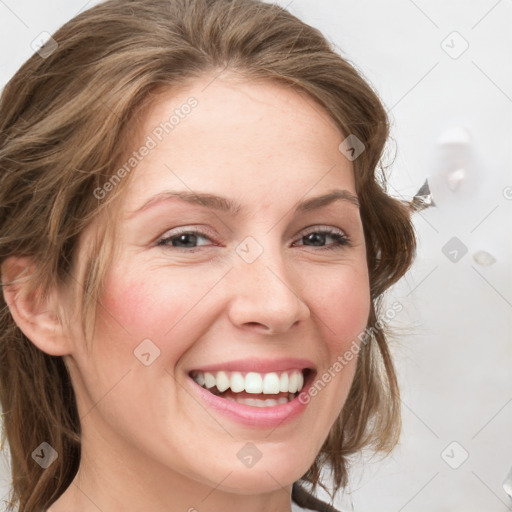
column 260, row 417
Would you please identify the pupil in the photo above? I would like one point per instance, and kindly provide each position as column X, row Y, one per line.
column 183, row 238
column 316, row 237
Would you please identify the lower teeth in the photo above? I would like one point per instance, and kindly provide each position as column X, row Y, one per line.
column 257, row 402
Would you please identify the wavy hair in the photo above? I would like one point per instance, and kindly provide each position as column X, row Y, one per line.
column 65, row 121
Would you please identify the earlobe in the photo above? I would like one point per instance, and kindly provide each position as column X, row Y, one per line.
column 37, row 317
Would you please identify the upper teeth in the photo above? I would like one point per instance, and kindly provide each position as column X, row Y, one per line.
column 273, row 383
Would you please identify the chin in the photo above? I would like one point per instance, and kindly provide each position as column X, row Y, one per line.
column 261, row 477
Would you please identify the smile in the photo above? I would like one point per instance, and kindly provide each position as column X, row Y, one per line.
column 253, row 398
column 272, row 383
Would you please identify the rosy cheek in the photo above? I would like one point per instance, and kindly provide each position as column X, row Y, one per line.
column 139, row 308
column 344, row 310
column 122, row 300
column 128, row 309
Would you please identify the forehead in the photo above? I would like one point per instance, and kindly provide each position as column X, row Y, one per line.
column 241, row 139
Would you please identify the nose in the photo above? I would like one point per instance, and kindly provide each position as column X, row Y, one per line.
column 265, row 294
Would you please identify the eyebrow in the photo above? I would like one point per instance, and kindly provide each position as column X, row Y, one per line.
column 224, row 204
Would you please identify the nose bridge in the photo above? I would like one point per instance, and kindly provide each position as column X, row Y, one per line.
column 265, row 291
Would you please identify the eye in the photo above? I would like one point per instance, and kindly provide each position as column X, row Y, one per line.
column 318, row 236
column 186, row 240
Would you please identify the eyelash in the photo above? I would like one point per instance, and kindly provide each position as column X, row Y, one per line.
column 341, row 240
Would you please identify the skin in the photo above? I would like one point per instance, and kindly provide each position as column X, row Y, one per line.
column 146, row 444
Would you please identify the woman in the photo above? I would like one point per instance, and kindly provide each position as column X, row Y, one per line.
column 195, row 245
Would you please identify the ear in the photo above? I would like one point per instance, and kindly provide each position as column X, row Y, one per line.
column 38, row 318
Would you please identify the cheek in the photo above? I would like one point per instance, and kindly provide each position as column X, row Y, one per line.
column 140, row 305
column 343, row 306
column 139, row 308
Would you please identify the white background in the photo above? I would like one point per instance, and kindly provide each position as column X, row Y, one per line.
column 454, row 347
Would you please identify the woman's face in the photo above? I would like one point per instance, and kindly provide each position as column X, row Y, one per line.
column 263, row 291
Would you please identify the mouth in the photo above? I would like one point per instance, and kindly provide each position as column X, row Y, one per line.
column 253, row 388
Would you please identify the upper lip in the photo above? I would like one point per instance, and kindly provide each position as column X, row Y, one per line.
column 259, row 365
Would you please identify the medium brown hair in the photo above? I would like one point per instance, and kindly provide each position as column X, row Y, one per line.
column 66, row 122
